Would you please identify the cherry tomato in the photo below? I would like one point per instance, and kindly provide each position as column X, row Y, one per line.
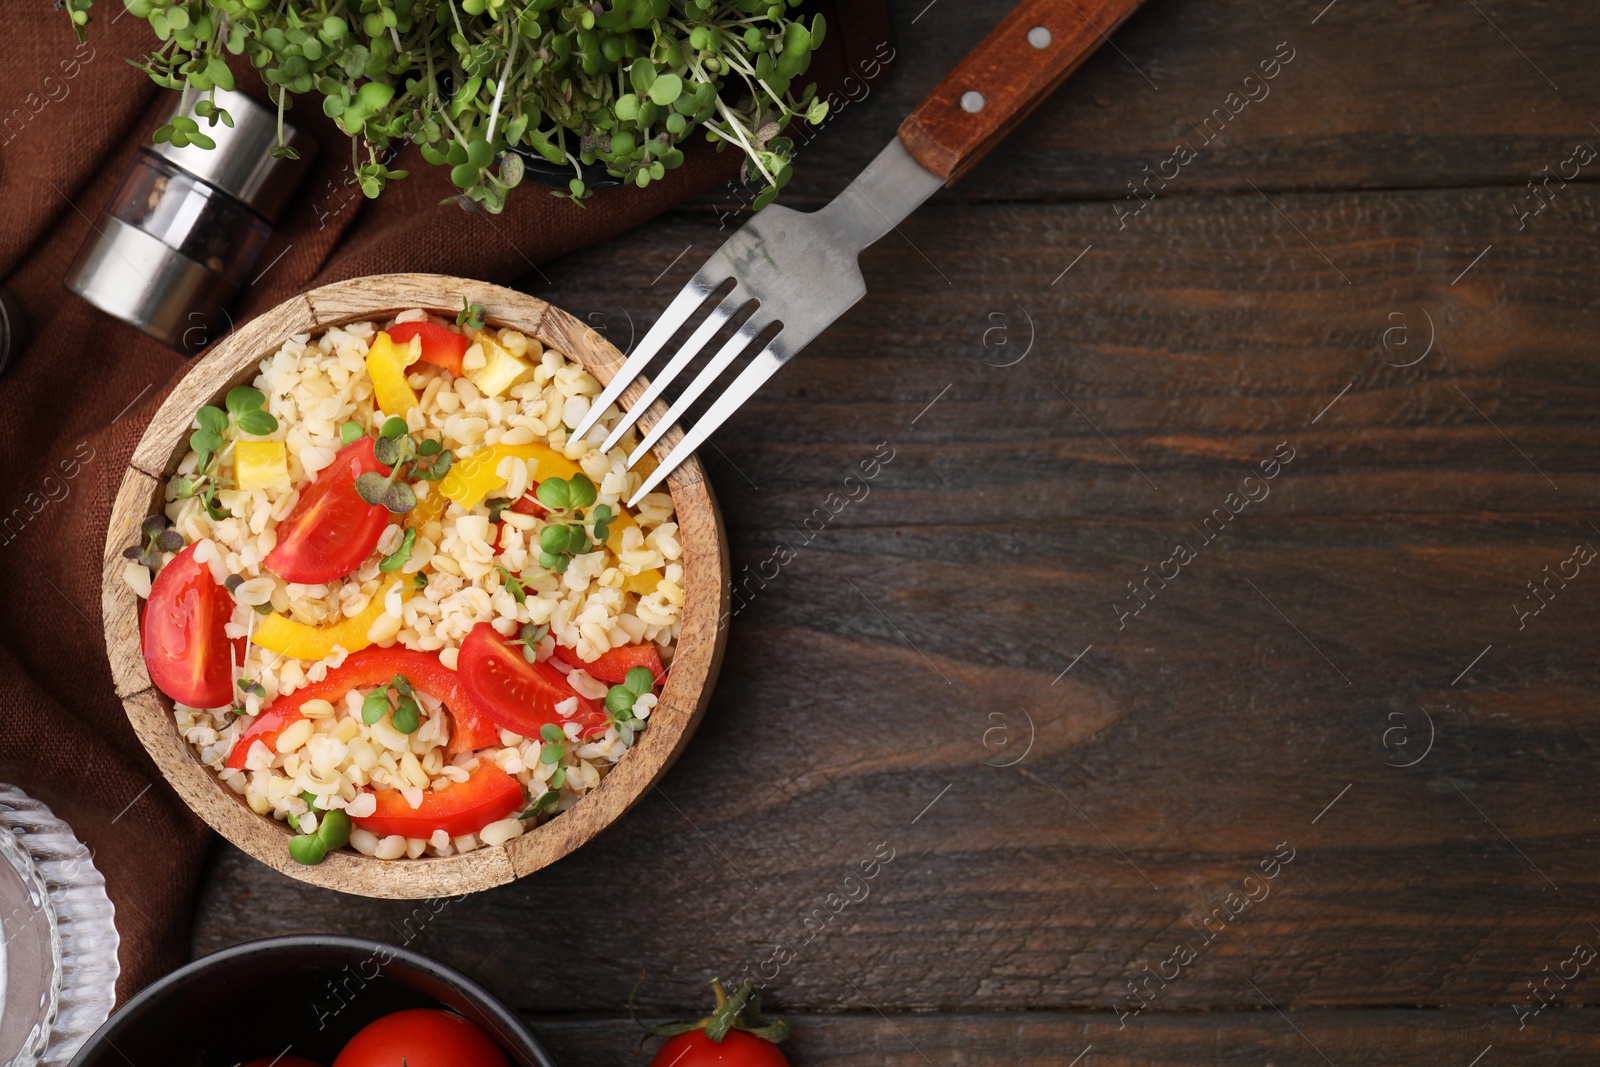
column 421, row 1037
column 694, row 1049
column 615, row 663
column 372, row 666
column 459, row 808
column 441, row 347
column 331, row 530
column 528, row 502
column 518, row 695
column 283, row 1061
column 186, row 647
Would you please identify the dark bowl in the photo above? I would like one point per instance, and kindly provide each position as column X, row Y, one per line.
column 309, row 993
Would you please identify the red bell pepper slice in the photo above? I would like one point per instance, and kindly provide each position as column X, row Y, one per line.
column 370, row 667
column 441, row 347
column 615, row 663
column 459, row 808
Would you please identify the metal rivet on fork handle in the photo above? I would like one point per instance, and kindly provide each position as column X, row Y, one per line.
column 972, row 101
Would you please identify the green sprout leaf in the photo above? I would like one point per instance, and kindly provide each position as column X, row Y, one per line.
column 375, row 706
column 400, row 556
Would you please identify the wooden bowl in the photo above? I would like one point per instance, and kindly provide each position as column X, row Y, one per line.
column 235, row 361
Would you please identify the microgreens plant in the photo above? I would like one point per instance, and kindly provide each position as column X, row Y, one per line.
column 564, row 534
column 470, row 315
column 407, row 715
column 402, row 555
column 332, row 832
column 479, row 85
column 158, row 539
column 425, row 460
column 529, row 637
column 620, row 700
column 246, row 410
column 513, row 585
column 232, row 583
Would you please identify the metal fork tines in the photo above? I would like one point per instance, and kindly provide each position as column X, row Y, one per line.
column 800, row 272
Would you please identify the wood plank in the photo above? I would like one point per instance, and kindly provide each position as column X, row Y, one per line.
column 1426, row 95
column 1052, row 1039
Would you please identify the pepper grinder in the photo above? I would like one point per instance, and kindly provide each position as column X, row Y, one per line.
column 186, row 225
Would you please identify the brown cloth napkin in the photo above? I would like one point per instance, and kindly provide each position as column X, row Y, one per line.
column 73, row 405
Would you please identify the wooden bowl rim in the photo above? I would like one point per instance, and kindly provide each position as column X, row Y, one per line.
column 696, row 661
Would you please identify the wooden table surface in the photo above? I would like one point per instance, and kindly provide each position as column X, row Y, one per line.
column 1184, row 655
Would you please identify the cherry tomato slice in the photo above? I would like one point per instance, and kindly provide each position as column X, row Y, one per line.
column 518, row 695
column 441, row 347
column 694, row 1049
column 186, row 648
column 331, row 530
column 460, row 808
column 421, row 1037
column 528, row 502
column 615, row 663
column 371, row 666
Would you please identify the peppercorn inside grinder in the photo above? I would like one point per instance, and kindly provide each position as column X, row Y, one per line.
column 187, row 224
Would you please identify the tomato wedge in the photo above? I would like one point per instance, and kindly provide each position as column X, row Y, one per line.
column 331, row 530
column 369, row 667
column 441, row 347
column 520, row 696
column 459, row 808
column 615, row 663
column 186, row 648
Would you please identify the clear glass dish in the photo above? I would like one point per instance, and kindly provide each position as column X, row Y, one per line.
column 58, row 961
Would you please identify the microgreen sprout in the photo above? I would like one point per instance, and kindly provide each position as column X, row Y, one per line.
column 529, row 637
column 512, row 585
column 470, row 315
column 419, row 580
column 402, row 555
column 333, row 831
column 407, row 715
column 554, row 747
column 547, row 801
column 620, row 700
column 252, row 687
column 564, row 534
column 351, row 432
column 232, row 583
column 426, row 460
column 158, row 538
column 248, row 405
column 244, row 407
column 497, row 506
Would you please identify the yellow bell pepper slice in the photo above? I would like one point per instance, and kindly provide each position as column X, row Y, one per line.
column 386, row 366
column 471, row 479
column 260, row 464
column 278, row 633
column 501, row 370
column 428, row 509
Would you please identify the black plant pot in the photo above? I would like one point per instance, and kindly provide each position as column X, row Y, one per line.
column 309, row 993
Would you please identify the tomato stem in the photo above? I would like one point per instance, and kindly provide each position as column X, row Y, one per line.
column 720, row 993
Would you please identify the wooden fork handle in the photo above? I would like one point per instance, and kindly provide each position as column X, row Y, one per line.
column 1008, row 75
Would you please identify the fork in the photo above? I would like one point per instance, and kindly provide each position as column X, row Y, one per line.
column 800, row 269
